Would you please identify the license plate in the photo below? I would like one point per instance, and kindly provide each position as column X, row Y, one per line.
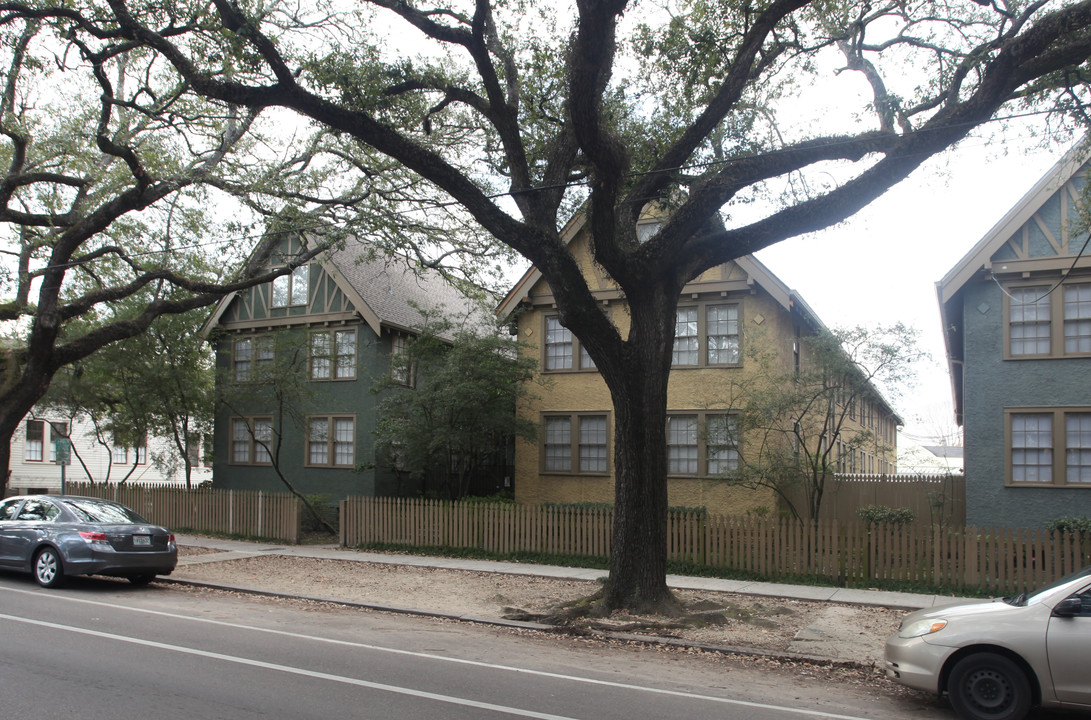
column 142, row 540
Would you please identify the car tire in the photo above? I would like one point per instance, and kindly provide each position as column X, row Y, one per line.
column 141, row 579
column 987, row 686
column 48, row 568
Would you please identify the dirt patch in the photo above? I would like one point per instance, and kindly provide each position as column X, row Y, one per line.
column 711, row 618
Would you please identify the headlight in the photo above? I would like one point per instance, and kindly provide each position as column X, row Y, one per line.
column 924, row 626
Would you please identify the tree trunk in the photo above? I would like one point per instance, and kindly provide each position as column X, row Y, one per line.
column 638, row 561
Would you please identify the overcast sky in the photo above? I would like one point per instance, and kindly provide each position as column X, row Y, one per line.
column 882, row 265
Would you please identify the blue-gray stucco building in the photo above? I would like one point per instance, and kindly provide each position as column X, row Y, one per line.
column 1016, row 313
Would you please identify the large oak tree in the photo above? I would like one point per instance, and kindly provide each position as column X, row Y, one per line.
column 505, row 117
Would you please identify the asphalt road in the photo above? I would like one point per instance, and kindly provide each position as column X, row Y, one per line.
column 102, row 648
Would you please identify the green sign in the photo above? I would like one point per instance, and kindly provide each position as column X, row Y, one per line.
column 63, row 448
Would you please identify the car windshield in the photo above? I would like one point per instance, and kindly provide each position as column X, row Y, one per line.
column 1040, row 594
column 103, row 512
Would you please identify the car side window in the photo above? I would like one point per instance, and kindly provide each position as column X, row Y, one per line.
column 1085, row 599
column 8, row 508
column 38, row 510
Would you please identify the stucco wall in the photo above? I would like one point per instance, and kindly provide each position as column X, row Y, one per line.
column 993, row 384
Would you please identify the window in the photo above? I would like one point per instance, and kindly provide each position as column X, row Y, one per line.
column 563, row 350
column 1077, row 319
column 723, row 334
column 576, row 443
column 1049, row 447
column 1078, row 447
column 333, row 355
column 119, row 455
column 38, row 511
column 702, row 444
column 141, row 451
column 593, row 443
column 1028, row 321
column 291, row 289
column 401, row 367
column 716, row 327
column 1030, row 331
column 57, row 430
column 251, row 357
column 251, row 440
column 331, row 441
column 682, row 445
column 686, row 343
column 35, row 441
column 723, row 450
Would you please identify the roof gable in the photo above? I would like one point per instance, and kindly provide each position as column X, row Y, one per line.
column 380, row 289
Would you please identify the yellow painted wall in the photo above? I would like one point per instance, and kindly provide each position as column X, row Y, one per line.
column 762, row 320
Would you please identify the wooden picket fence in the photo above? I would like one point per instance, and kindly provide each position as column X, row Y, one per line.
column 999, row 561
column 274, row 516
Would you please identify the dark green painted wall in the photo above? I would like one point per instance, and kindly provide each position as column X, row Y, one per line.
column 993, row 384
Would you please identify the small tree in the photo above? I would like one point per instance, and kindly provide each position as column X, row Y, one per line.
column 159, row 383
column 792, row 421
column 455, row 412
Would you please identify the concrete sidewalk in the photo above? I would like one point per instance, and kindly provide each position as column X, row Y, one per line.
column 235, row 549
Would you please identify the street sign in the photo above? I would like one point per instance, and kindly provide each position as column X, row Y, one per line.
column 63, row 448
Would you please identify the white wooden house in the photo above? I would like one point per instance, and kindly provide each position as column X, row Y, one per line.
column 34, row 466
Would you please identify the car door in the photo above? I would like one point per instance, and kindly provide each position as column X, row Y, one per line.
column 1067, row 642
column 33, row 522
column 8, row 509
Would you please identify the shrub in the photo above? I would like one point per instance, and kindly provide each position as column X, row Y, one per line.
column 883, row 515
column 1069, row 524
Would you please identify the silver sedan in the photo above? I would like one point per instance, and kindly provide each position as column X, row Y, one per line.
column 52, row 536
column 998, row 659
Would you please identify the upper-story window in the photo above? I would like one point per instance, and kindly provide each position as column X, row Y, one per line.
column 401, row 365
column 291, row 289
column 1032, row 329
column 706, row 335
column 251, row 356
column 563, row 350
column 333, row 354
column 1029, row 321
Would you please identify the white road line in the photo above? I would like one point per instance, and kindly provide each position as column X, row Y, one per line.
column 293, row 670
column 443, row 658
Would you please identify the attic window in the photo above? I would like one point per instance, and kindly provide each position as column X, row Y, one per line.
column 647, row 230
column 291, row 289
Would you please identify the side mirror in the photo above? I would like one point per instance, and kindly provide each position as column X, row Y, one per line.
column 1069, row 607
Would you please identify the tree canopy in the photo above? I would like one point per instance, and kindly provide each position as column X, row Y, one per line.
column 489, row 122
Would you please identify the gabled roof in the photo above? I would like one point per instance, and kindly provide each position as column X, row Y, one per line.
column 383, row 289
column 755, row 271
column 979, row 258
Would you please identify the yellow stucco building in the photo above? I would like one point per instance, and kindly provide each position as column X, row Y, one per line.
column 719, row 313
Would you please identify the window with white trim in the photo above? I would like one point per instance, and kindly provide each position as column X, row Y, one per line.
column 34, row 447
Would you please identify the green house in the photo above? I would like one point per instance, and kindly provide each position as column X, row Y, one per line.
column 298, row 361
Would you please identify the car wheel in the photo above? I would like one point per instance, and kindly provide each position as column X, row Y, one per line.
column 48, row 568
column 141, row 579
column 987, row 686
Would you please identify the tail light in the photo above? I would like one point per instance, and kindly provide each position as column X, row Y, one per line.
column 93, row 537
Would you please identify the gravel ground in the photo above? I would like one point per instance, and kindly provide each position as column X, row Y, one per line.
column 719, row 619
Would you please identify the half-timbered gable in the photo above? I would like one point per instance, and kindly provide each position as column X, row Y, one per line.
column 1016, row 313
